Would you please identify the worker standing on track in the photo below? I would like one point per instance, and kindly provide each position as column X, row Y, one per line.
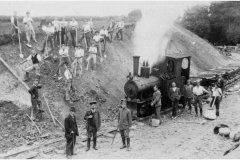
column 71, row 132
column 28, row 22
column 79, row 54
column 73, row 30
column 124, row 124
column 92, row 55
column 68, row 83
column 56, row 25
column 198, row 92
column 174, row 95
column 93, row 125
column 216, row 97
column 156, row 102
column 188, row 95
column 36, row 102
column 64, row 59
column 36, row 59
column 15, row 28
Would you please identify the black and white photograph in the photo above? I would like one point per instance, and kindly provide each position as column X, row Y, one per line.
column 119, row 79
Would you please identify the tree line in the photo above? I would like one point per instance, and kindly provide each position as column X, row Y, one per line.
column 219, row 23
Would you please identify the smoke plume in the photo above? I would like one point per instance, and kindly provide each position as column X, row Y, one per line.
column 151, row 34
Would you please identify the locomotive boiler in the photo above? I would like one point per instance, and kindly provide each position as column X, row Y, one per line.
column 139, row 88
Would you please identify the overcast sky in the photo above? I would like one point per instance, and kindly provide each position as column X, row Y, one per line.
column 83, row 8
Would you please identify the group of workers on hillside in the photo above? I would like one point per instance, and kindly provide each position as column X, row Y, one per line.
column 58, row 33
column 191, row 94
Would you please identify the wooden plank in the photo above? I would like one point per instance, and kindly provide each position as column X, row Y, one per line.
column 34, row 124
column 12, row 153
column 14, row 73
column 60, row 124
column 49, row 109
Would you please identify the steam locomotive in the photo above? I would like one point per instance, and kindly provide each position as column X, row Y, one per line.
column 139, row 88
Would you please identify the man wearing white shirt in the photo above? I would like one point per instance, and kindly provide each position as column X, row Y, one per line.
column 68, row 83
column 56, row 25
column 36, row 59
column 97, row 40
column 15, row 28
column 64, row 59
column 216, row 97
column 87, row 34
column 79, row 54
column 28, row 22
column 49, row 30
column 73, row 29
column 92, row 55
column 198, row 92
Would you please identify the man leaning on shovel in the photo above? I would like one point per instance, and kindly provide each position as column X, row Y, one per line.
column 71, row 131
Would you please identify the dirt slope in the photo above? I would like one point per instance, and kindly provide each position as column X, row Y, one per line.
column 204, row 55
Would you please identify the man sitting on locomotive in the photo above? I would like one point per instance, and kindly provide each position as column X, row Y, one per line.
column 156, row 102
column 174, row 95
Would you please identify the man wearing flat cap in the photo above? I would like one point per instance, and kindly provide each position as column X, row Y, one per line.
column 93, row 125
column 124, row 123
column 71, row 131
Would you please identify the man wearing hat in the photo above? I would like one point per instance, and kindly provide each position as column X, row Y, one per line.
column 36, row 59
column 124, row 123
column 119, row 27
column 93, row 125
column 15, row 27
column 73, row 31
column 71, row 131
column 92, row 55
column 216, row 97
column 97, row 38
column 174, row 95
column 28, row 22
column 78, row 61
column 198, row 92
column 36, row 102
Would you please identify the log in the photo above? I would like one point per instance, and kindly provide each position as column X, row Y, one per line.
column 34, row 124
column 49, row 109
column 25, row 149
column 14, row 73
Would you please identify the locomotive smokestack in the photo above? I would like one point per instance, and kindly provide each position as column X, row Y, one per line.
column 135, row 65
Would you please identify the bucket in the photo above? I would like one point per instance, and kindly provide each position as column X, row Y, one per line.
column 155, row 122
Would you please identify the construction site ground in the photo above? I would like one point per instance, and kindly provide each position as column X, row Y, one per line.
column 170, row 140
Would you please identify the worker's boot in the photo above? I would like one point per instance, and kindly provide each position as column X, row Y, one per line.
column 128, row 144
column 88, row 144
column 124, row 143
column 95, row 143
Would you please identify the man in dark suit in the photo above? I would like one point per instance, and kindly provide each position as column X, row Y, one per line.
column 93, row 125
column 174, row 95
column 71, row 131
column 156, row 102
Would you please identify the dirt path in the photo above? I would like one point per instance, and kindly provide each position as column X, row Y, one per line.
column 171, row 140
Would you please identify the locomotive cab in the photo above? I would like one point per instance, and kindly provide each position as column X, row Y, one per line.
column 139, row 90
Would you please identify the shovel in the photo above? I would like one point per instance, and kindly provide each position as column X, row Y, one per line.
column 211, row 107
